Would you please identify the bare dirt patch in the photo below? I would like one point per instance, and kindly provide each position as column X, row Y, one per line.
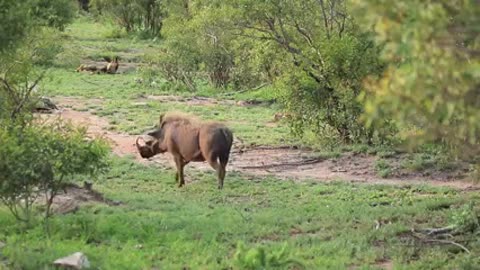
column 70, row 199
column 122, row 144
column 283, row 162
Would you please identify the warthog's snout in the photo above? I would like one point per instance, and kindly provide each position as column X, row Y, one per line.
column 145, row 146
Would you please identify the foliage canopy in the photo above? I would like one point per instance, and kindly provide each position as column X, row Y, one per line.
column 431, row 88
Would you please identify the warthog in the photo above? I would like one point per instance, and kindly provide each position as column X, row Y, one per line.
column 189, row 140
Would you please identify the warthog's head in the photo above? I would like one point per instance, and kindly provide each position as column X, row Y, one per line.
column 146, row 146
column 149, row 144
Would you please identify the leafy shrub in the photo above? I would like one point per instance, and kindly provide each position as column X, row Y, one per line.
column 53, row 13
column 466, row 218
column 259, row 258
column 39, row 160
column 136, row 15
column 432, row 80
column 19, row 75
column 177, row 70
column 15, row 23
column 382, row 168
column 197, row 47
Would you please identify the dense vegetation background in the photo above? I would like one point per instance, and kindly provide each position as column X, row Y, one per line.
column 346, row 71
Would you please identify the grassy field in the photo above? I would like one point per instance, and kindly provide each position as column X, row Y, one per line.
column 322, row 226
column 254, row 223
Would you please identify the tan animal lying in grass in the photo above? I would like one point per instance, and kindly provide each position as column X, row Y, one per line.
column 280, row 116
column 85, row 67
column 111, row 67
column 189, row 140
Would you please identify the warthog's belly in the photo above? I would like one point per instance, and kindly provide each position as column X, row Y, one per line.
column 199, row 157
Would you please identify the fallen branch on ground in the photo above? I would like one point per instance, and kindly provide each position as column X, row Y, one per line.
column 245, row 90
column 89, row 81
column 437, row 231
column 432, row 235
column 447, row 242
column 290, row 164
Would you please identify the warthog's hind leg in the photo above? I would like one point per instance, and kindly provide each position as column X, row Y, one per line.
column 179, row 175
column 221, row 176
column 220, row 171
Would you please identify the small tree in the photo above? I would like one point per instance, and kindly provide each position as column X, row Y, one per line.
column 133, row 15
column 52, row 13
column 325, row 58
column 15, row 23
column 39, row 160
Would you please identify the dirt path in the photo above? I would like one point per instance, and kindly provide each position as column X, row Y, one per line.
column 284, row 163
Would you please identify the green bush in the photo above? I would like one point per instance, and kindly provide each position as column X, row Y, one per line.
column 260, row 258
column 137, row 15
column 14, row 23
column 197, row 47
column 20, row 77
column 383, row 168
column 431, row 86
column 325, row 59
column 19, row 17
column 53, row 13
column 466, row 218
column 37, row 161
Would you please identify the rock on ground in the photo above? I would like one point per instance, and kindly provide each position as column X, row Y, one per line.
column 75, row 261
column 45, row 105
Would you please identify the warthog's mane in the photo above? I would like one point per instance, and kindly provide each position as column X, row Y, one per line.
column 181, row 117
column 187, row 119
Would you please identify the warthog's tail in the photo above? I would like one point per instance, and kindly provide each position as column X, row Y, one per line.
column 229, row 140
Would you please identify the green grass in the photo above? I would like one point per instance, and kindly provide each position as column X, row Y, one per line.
column 89, row 39
column 382, row 168
column 324, row 226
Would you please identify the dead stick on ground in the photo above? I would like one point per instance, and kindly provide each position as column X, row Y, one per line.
column 448, row 242
column 291, row 164
column 435, row 231
column 89, row 82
